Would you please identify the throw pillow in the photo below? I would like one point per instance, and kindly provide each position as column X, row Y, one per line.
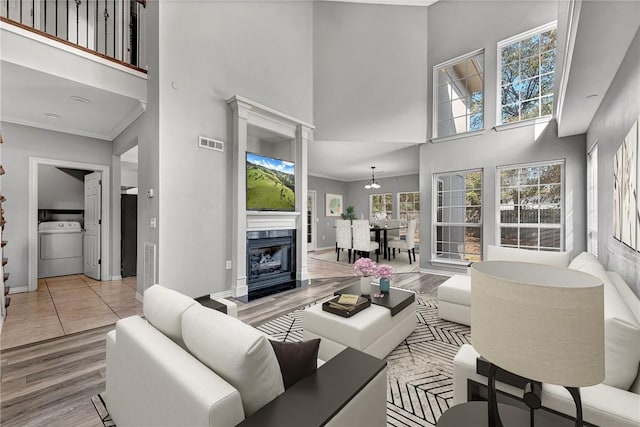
column 163, row 308
column 296, row 359
column 240, row 354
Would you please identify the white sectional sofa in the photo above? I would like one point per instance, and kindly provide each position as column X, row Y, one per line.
column 188, row 365
column 614, row 402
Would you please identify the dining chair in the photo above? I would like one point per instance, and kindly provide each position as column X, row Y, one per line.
column 409, row 244
column 362, row 239
column 343, row 237
column 394, row 231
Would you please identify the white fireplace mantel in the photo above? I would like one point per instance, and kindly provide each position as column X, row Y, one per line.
column 262, row 220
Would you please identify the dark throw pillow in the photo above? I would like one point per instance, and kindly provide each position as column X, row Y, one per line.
column 296, row 359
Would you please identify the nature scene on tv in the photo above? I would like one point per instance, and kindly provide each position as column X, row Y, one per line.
column 270, row 184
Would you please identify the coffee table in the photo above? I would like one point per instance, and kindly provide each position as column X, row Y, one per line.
column 376, row 330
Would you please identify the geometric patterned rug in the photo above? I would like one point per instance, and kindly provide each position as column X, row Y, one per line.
column 420, row 369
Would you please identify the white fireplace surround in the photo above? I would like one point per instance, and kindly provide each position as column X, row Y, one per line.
column 297, row 133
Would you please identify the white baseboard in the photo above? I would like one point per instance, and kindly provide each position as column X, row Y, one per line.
column 18, row 290
column 116, row 277
column 139, row 297
column 222, row 294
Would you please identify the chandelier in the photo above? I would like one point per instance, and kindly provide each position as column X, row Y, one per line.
column 372, row 183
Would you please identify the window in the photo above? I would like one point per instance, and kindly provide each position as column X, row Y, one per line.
column 458, row 216
column 409, row 208
column 459, row 95
column 526, row 66
column 531, row 214
column 381, row 203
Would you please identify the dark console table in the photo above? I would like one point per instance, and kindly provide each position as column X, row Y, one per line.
column 315, row 399
column 206, row 301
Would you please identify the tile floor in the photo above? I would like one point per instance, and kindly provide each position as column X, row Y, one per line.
column 68, row 304
column 65, row 305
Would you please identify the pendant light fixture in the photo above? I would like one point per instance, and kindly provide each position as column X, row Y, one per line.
column 372, row 183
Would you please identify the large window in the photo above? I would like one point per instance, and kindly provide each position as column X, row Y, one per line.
column 458, row 216
column 526, row 66
column 459, row 100
column 409, row 208
column 531, row 214
column 381, row 203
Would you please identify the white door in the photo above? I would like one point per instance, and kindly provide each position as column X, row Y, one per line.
column 311, row 221
column 92, row 224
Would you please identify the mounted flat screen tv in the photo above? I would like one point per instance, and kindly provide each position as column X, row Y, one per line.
column 270, row 184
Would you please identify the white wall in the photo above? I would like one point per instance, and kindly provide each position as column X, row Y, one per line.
column 359, row 196
column 326, row 233
column 128, row 174
column 21, row 143
column 369, row 65
column 58, row 189
column 143, row 132
column 259, row 50
column 459, row 27
column 619, row 109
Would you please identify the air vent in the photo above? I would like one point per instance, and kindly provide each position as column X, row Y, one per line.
column 212, row 144
column 149, row 269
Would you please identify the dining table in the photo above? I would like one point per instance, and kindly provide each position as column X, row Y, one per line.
column 381, row 236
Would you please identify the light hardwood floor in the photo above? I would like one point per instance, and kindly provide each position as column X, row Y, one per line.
column 51, row 382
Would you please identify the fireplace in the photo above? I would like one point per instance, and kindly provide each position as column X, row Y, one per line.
column 271, row 261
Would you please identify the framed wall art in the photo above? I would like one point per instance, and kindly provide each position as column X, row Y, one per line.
column 332, row 204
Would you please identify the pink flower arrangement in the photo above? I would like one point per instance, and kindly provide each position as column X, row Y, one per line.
column 384, row 271
column 365, row 267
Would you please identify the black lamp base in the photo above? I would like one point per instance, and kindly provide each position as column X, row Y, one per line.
column 474, row 414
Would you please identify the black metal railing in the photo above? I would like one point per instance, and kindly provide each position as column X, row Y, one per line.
column 112, row 28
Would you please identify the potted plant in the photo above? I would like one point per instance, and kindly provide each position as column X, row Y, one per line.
column 365, row 268
column 349, row 214
column 385, row 273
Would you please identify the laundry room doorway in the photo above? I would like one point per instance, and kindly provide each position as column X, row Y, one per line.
column 54, row 217
column 129, row 212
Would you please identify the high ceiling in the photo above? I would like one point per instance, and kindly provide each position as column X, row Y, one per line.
column 42, row 100
column 604, row 32
column 352, row 161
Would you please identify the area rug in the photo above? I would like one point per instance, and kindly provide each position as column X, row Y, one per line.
column 420, row 369
column 400, row 263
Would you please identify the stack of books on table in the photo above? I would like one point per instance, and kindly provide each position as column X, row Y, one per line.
column 346, row 305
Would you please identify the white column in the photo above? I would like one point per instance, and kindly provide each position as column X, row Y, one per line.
column 302, row 138
column 239, row 220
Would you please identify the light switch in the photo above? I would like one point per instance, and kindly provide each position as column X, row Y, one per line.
column 153, row 222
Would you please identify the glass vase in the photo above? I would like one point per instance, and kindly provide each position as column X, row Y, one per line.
column 384, row 285
column 365, row 285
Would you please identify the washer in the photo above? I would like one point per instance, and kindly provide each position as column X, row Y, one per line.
column 60, row 248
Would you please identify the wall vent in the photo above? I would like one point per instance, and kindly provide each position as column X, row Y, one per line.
column 149, row 265
column 212, row 144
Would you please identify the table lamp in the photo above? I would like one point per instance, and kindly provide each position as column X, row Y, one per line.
column 541, row 322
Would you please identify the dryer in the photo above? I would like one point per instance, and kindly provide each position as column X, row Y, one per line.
column 60, row 248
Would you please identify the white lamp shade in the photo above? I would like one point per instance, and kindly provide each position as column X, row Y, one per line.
column 538, row 321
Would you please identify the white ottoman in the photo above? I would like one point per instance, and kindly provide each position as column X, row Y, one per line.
column 373, row 330
column 454, row 299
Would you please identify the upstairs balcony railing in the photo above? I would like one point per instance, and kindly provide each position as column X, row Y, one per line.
column 109, row 28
